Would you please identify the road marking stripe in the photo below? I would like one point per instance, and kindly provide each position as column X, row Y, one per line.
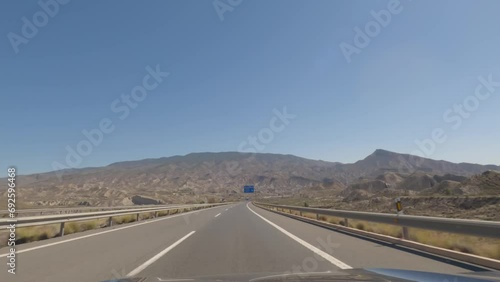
column 217, row 215
column 100, row 233
column 158, row 256
column 325, row 255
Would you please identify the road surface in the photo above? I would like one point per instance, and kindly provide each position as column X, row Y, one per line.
column 234, row 239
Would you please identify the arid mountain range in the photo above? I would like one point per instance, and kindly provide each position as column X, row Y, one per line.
column 199, row 177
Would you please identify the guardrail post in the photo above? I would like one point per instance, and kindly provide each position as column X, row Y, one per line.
column 61, row 230
column 110, row 221
column 317, row 216
column 300, row 212
column 137, row 217
column 346, row 222
column 156, row 214
column 405, row 233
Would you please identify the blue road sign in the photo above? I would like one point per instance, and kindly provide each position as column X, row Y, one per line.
column 248, row 189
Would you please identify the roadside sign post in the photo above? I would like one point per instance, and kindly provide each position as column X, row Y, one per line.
column 399, row 208
column 248, row 189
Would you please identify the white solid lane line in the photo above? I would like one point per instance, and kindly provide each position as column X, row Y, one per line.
column 103, row 232
column 158, row 256
column 217, row 215
column 326, row 256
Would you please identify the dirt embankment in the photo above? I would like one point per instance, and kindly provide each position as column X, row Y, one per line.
column 479, row 207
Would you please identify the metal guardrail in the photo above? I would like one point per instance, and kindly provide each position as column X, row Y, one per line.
column 462, row 226
column 69, row 210
column 63, row 218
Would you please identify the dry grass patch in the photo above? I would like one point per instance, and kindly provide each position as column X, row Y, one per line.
column 379, row 228
column 333, row 219
column 36, row 233
column 43, row 232
column 80, row 226
column 146, row 216
column 124, row 219
column 162, row 213
column 485, row 247
column 4, row 236
column 309, row 215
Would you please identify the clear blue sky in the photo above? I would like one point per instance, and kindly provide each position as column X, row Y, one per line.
column 227, row 76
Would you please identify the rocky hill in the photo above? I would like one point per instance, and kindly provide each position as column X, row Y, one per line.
column 200, row 177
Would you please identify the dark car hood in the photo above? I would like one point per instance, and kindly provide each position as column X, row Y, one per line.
column 372, row 274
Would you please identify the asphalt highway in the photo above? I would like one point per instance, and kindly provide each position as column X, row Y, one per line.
column 234, row 239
